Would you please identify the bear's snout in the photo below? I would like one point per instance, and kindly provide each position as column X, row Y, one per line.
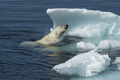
column 66, row 26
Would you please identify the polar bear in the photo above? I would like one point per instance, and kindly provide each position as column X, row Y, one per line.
column 54, row 36
column 51, row 38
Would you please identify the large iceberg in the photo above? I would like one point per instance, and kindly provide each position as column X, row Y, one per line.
column 97, row 28
column 85, row 65
column 86, row 23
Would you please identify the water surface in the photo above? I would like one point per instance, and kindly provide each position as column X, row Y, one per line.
column 26, row 20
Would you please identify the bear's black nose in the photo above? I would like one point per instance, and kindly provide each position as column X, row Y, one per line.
column 66, row 26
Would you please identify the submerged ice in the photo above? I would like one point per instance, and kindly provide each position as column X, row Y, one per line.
column 86, row 64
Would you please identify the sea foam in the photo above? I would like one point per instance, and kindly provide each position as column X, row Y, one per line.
column 86, row 64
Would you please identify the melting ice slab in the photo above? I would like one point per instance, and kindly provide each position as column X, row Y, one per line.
column 86, row 64
column 105, row 44
column 117, row 62
column 86, row 23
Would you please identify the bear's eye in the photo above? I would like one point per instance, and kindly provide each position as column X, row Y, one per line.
column 61, row 26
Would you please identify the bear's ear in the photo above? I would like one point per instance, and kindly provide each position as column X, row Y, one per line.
column 56, row 32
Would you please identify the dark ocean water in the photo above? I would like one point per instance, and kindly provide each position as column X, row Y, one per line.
column 26, row 20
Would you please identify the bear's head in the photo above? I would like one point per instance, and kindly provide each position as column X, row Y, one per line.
column 60, row 30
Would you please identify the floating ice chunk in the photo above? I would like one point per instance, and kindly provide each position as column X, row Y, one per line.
column 107, row 44
column 86, row 23
column 117, row 62
column 86, row 64
column 84, row 45
column 51, row 29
